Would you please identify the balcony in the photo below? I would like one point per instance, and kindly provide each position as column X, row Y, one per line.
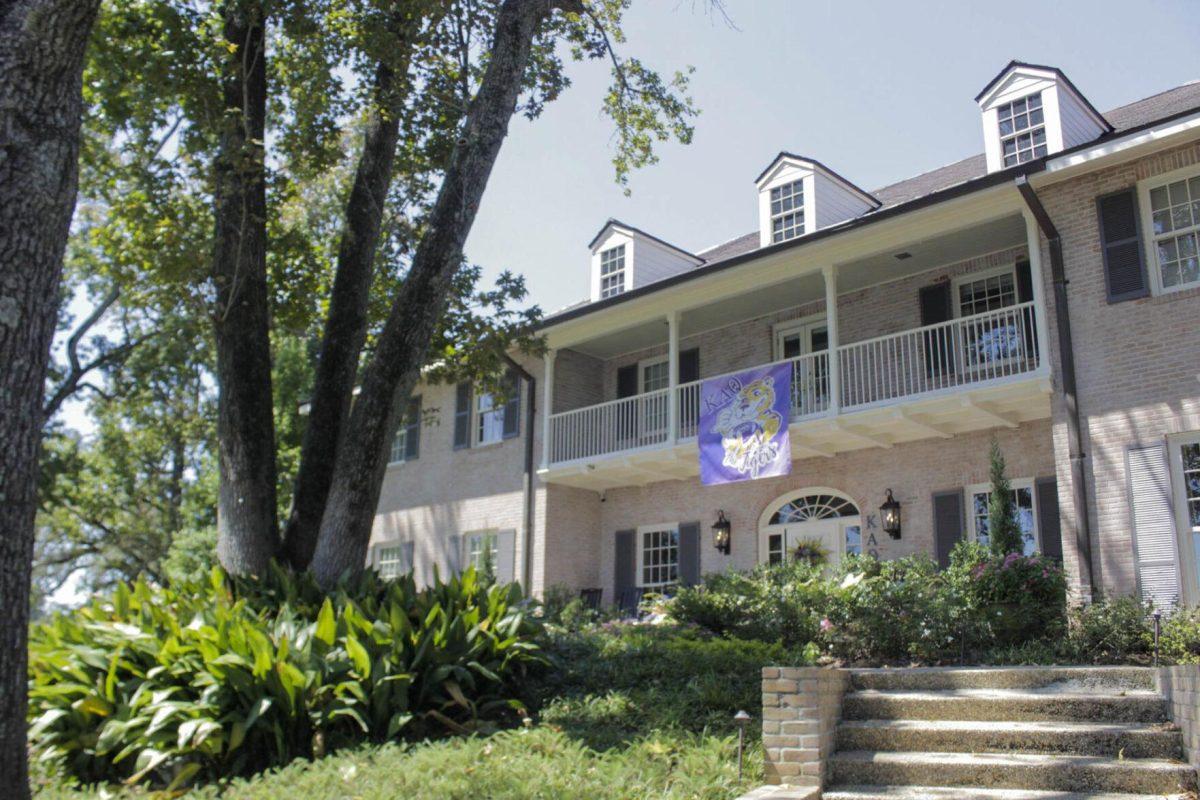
column 972, row 373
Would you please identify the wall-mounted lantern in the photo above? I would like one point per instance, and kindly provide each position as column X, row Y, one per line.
column 889, row 515
column 721, row 533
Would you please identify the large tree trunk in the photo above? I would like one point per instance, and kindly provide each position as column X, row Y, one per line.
column 248, row 537
column 346, row 324
column 42, row 45
column 404, row 342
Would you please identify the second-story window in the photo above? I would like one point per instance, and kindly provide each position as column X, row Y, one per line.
column 787, row 211
column 489, row 416
column 612, row 271
column 1175, row 208
column 1022, row 130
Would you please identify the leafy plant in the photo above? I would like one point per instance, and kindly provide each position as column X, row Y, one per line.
column 222, row 676
column 1004, row 532
column 812, row 552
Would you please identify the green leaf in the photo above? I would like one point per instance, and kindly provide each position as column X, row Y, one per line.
column 326, row 628
column 358, row 656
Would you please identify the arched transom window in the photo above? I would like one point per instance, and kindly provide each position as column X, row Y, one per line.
column 813, row 506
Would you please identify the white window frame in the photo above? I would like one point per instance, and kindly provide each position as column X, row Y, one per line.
column 477, row 419
column 382, row 562
column 653, row 361
column 622, row 272
column 664, row 527
column 1014, row 484
column 473, row 546
column 1150, row 240
column 797, row 209
column 1186, row 537
column 803, row 326
column 1017, row 133
column 959, row 281
column 400, row 441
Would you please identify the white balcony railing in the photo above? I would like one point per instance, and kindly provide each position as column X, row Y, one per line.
column 961, row 352
column 880, row 371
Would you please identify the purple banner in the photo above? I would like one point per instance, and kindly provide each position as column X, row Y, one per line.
column 743, row 433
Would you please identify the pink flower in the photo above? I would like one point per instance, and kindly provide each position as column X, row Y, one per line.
column 826, row 625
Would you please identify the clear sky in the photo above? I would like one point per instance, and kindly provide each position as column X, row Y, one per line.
column 878, row 91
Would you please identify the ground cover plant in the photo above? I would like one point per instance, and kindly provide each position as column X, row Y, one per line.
column 221, row 677
column 616, row 711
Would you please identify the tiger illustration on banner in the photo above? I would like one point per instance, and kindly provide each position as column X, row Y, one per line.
column 743, row 431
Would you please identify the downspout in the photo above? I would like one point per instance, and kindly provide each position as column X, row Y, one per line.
column 1066, row 357
column 527, row 480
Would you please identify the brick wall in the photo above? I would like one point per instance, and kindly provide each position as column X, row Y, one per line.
column 913, row 471
column 1181, row 684
column 1137, row 365
column 801, row 709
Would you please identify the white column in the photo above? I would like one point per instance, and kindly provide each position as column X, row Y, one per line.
column 831, row 322
column 673, row 377
column 1034, row 243
column 547, row 404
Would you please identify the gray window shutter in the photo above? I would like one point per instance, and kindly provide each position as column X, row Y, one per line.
column 407, row 552
column 627, row 386
column 624, row 563
column 1046, row 496
column 412, row 430
column 935, row 302
column 454, row 555
column 512, row 409
column 1155, row 545
column 462, row 416
column 947, row 523
column 627, row 381
column 689, row 553
column 1121, row 242
column 506, row 556
column 1024, row 282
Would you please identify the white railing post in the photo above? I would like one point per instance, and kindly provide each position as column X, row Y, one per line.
column 547, row 405
column 834, row 367
column 672, row 377
column 1034, row 244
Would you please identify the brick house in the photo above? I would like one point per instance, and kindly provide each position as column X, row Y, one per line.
column 995, row 296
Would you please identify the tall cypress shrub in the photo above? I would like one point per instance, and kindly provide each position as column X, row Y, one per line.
column 1004, row 532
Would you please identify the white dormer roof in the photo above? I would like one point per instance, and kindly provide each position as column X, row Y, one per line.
column 1064, row 117
column 629, row 258
column 822, row 196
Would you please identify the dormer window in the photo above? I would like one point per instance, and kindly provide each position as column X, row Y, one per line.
column 612, row 271
column 787, row 211
column 1031, row 111
column 1022, row 130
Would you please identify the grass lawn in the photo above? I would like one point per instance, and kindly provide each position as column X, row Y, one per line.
column 623, row 712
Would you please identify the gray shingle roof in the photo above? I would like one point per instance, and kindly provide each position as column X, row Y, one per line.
column 1133, row 115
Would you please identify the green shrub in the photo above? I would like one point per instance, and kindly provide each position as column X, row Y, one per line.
column 1180, row 640
column 213, row 678
column 781, row 603
column 1111, row 631
column 1017, row 598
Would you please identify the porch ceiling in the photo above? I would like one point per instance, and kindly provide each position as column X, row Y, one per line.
column 761, row 300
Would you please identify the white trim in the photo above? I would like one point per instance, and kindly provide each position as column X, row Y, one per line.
column 662, row 527
column 1187, row 538
column 1121, row 144
column 1150, row 240
column 1014, row 483
column 651, row 361
column 807, row 323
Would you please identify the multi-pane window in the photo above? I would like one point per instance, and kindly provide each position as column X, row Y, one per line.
column 482, row 550
column 987, row 294
column 489, row 418
column 1175, row 209
column 656, row 375
column 775, row 548
column 1022, row 492
column 612, row 271
column 391, row 562
column 406, row 441
column 787, row 211
column 1022, row 130
column 1191, row 484
column 659, row 558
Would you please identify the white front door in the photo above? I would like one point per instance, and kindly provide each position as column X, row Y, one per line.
column 837, row 537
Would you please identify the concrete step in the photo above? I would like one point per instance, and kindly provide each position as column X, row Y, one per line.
column 966, row 793
column 1012, row 771
column 1078, row 679
column 1005, row 704
column 1111, row 739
